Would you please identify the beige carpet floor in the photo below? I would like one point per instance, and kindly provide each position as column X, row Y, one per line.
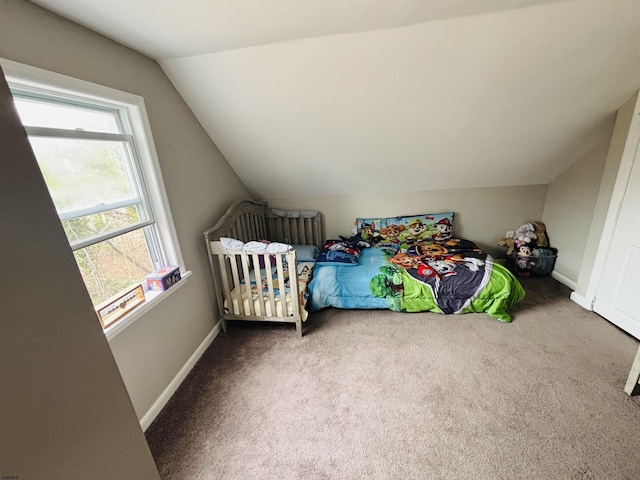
column 383, row 395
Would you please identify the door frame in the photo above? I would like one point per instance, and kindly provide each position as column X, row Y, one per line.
column 630, row 151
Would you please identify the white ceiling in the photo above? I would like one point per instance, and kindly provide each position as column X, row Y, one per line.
column 310, row 98
column 164, row 29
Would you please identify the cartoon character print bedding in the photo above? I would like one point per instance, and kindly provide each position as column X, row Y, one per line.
column 414, row 265
column 445, row 277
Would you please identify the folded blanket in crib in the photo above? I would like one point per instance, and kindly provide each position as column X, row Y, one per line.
column 255, row 246
column 231, row 243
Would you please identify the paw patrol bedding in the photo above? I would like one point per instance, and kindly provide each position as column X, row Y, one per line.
column 406, row 229
column 451, row 276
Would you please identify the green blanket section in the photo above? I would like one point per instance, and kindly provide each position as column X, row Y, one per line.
column 501, row 293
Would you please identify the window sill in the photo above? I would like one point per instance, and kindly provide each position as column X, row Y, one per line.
column 151, row 300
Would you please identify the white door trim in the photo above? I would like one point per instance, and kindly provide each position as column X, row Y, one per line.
column 632, row 144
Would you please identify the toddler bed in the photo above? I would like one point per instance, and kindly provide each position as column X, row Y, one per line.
column 412, row 264
column 252, row 249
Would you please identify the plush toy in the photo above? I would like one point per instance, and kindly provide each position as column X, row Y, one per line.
column 356, row 241
column 541, row 234
column 509, row 243
column 525, row 233
column 524, row 260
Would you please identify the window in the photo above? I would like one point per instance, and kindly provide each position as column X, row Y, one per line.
column 102, row 174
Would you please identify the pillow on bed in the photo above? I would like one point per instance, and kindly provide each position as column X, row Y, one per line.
column 338, row 252
column 306, row 253
column 410, row 228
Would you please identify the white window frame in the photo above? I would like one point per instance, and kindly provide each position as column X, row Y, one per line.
column 18, row 74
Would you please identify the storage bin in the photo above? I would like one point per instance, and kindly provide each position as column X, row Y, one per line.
column 162, row 279
column 544, row 260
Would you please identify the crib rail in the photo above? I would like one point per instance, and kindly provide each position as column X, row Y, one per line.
column 248, row 220
column 250, row 293
column 244, row 220
column 295, row 227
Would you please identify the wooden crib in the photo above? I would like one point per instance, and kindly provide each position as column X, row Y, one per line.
column 259, row 298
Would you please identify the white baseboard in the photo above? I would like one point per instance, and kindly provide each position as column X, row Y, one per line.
column 159, row 404
column 564, row 280
column 580, row 300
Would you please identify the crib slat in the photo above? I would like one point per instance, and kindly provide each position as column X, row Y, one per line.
column 253, row 233
column 271, row 228
column 246, row 219
column 308, row 227
column 243, row 227
column 257, row 233
column 288, row 230
column 244, row 258
column 256, row 269
column 236, row 285
column 301, row 237
column 281, row 285
column 294, row 231
column 225, row 285
column 281, row 234
column 317, row 230
column 240, row 227
column 263, row 228
column 293, row 283
column 283, row 231
column 272, row 298
column 252, row 229
column 237, row 230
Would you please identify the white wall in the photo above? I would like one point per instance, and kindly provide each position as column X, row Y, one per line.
column 199, row 182
column 569, row 209
column 65, row 410
column 482, row 214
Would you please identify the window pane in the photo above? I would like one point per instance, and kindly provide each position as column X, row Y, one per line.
column 111, row 266
column 36, row 113
column 81, row 228
column 85, row 173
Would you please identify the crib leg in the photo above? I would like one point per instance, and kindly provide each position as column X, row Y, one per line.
column 224, row 325
column 299, row 328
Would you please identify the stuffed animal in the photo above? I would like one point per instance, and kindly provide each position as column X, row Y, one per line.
column 541, row 234
column 525, row 233
column 509, row 243
column 356, row 241
column 524, row 260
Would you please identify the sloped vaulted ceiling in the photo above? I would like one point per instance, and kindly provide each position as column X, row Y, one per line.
column 314, row 98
